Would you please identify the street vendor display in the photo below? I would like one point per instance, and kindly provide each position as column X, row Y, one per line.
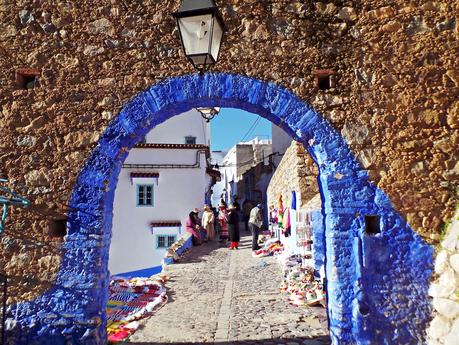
column 131, row 300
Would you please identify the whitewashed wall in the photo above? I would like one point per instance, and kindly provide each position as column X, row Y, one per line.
column 217, row 158
column 228, row 170
column 174, row 130
column 444, row 290
column 175, row 194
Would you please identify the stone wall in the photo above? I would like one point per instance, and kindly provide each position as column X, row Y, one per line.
column 296, row 172
column 365, row 302
column 444, row 328
column 394, row 95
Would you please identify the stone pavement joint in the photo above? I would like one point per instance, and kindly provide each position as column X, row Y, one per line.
column 223, row 324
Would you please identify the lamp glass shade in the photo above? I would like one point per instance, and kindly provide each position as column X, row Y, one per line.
column 196, row 33
column 217, row 37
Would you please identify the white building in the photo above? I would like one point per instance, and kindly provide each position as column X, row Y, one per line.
column 239, row 159
column 161, row 181
column 280, row 143
column 217, row 189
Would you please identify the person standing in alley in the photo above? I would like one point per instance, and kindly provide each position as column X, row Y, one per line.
column 208, row 219
column 236, row 204
column 202, row 231
column 223, row 222
column 193, row 228
column 233, row 227
column 255, row 223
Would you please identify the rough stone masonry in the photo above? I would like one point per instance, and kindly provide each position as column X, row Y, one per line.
column 395, row 83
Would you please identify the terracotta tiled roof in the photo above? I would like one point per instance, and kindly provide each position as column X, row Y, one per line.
column 144, row 174
column 170, row 146
column 164, row 224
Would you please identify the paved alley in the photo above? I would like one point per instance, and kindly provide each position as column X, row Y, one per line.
column 222, row 296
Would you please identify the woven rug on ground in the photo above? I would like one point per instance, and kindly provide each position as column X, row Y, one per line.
column 130, row 301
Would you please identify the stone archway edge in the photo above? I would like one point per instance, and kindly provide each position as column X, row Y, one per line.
column 377, row 285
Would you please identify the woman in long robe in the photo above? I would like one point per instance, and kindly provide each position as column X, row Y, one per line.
column 208, row 219
column 223, row 222
column 193, row 227
column 233, row 227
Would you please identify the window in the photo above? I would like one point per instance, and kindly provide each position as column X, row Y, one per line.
column 165, row 241
column 324, row 79
column 372, row 225
column 58, row 227
column 190, row 140
column 144, row 195
column 26, row 78
column 323, row 82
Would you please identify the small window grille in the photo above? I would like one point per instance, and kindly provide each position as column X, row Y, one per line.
column 161, row 242
column 324, row 79
column 144, row 195
column 170, row 241
column 372, row 225
column 190, row 140
column 58, row 227
column 165, row 241
column 26, row 78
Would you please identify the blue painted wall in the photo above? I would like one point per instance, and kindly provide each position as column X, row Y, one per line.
column 377, row 286
column 318, row 239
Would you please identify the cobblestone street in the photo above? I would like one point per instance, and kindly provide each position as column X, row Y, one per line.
column 222, row 296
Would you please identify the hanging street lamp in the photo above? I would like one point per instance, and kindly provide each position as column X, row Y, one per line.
column 201, row 29
column 208, row 113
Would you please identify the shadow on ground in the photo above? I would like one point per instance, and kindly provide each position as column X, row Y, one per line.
column 199, row 254
column 323, row 340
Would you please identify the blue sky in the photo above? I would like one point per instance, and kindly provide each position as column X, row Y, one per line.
column 231, row 126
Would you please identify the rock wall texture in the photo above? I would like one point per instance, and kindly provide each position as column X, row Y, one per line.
column 394, row 95
column 296, row 172
column 444, row 328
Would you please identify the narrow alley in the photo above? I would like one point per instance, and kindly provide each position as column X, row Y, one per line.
column 222, row 296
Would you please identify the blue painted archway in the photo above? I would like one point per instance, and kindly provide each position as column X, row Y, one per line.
column 377, row 283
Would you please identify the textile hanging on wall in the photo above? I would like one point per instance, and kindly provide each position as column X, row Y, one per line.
column 287, row 223
column 304, row 228
column 280, row 213
column 293, row 200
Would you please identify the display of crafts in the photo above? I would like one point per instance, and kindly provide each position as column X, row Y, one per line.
column 172, row 251
column 300, row 281
column 131, row 300
column 270, row 247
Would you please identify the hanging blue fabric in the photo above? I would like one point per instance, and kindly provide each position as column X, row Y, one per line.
column 293, row 200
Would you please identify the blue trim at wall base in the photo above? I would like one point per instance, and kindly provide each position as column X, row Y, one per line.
column 144, row 273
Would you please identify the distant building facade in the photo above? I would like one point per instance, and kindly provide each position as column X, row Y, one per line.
column 217, row 190
column 280, row 143
column 162, row 180
column 240, row 159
